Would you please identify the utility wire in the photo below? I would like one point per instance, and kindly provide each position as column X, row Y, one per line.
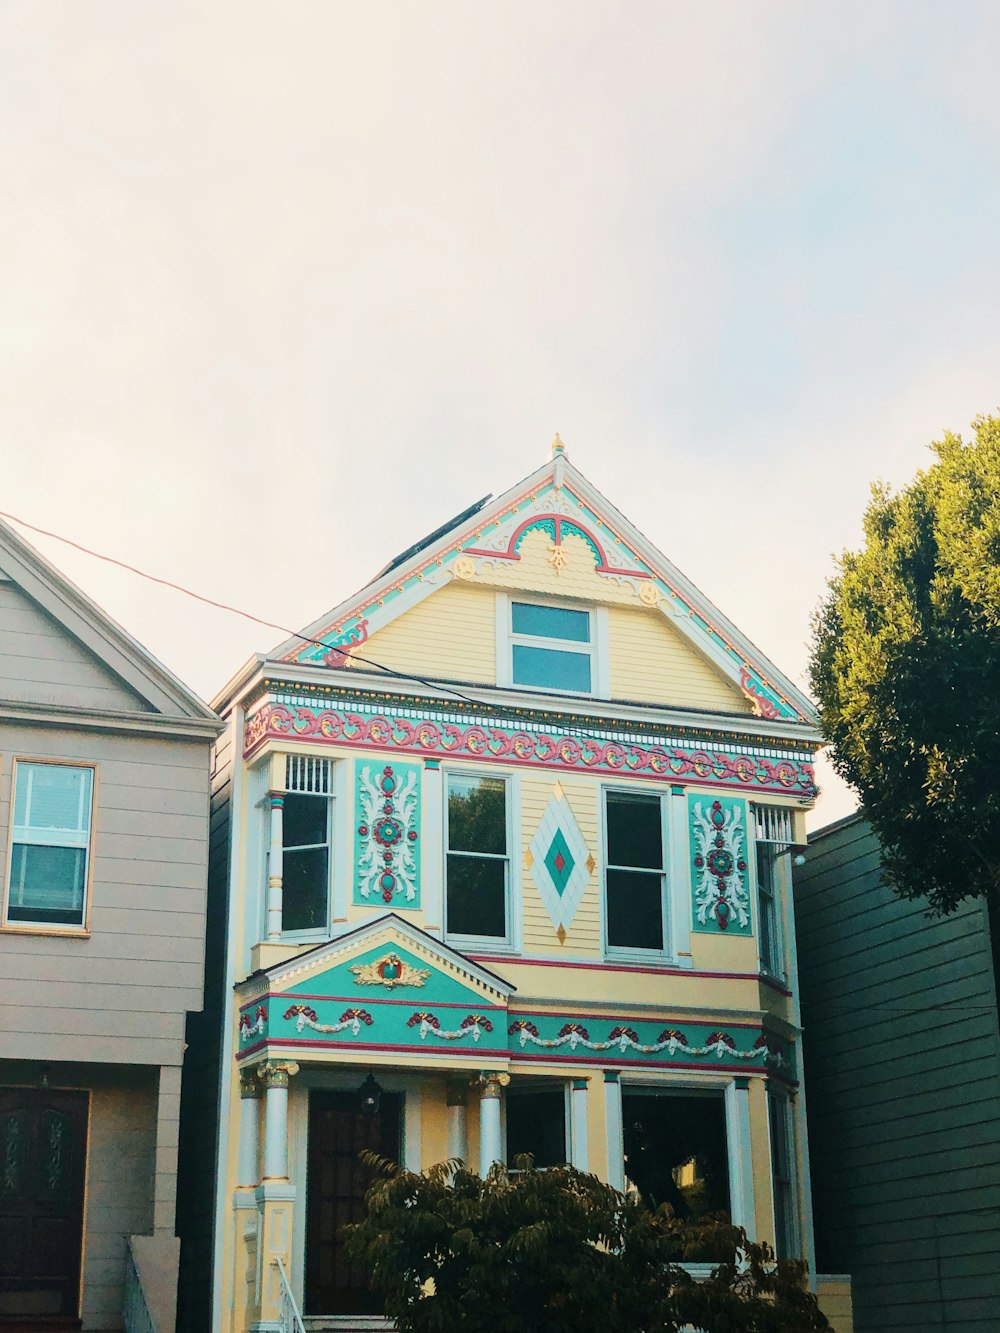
column 343, row 653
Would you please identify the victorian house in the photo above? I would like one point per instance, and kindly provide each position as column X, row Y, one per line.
column 505, row 839
column 104, row 782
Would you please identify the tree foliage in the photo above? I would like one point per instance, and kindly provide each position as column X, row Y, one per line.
column 560, row 1251
column 906, row 668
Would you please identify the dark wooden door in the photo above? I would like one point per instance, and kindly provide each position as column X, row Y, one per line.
column 335, row 1194
column 43, row 1145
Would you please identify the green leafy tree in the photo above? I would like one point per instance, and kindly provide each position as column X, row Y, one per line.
column 560, row 1251
column 906, row 668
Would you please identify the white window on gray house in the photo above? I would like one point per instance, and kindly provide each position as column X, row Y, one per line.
column 552, row 647
column 635, row 878
column 477, row 890
column 307, row 844
column 783, row 1176
column 536, row 1122
column 773, row 840
column 50, row 846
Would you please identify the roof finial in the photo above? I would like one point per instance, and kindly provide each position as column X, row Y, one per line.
column 557, row 445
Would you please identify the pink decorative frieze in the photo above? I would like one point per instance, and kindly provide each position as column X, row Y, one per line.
column 551, row 749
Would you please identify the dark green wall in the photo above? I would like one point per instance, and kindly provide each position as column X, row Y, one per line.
column 902, row 1076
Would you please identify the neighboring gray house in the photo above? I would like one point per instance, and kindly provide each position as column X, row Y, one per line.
column 902, row 1059
column 104, row 771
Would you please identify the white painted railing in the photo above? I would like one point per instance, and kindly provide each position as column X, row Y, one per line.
column 137, row 1316
column 289, row 1318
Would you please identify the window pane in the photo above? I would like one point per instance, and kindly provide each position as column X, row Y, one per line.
column 304, row 821
column 551, row 622
column 477, row 815
column 552, row 669
column 53, row 796
column 635, row 909
column 47, row 884
column 675, row 1151
column 781, row 1168
column 536, row 1124
column 304, row 886
column 477, row 896
column 635, row 830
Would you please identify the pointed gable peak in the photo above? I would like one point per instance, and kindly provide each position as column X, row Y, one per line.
column 558, row 507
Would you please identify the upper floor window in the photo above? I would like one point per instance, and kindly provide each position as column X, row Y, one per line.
column 477, row 898
column 50, row 845
column 635, row 880
column 773, row 839
column 552, row 647
column 307, row 839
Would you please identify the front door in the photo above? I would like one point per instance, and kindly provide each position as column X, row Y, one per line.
column 335, row 1194
column 43, row 1144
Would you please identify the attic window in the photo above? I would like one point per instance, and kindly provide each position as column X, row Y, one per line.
column 552, row 647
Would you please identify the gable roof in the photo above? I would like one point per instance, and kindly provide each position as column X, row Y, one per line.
column 559, row 499
column 86, row 623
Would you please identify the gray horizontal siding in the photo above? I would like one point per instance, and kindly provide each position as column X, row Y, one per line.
column 142, row 968
column 902, row 1066
column 64, row 671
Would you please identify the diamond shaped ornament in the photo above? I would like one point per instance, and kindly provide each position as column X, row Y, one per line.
column 559, row 861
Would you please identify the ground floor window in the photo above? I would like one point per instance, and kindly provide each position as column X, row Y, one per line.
column 676, row 1149
column 536, row 1123
column 339, row 1131
column 782, row 1174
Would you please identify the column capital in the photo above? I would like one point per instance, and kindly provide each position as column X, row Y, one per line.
column 490, row 1082
column 612, row 1076
column 250, row 1083
column 276, row 1073
column 277, row 799
column 580, row 1084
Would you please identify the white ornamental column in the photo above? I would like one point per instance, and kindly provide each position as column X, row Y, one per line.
column 741, row 1156
column 274, row 1077
column 578, row 1125
column 458, row 1138
column 248, row 1165
column 275, row 866
column 490, row 1142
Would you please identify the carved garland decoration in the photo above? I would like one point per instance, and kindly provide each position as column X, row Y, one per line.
column 672, row 1040
column 474, row 1025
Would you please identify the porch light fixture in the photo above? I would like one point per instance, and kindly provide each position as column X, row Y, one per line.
column 369, row 1096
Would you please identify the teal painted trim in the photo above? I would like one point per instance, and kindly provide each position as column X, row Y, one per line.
column 354, row 631
column 387, row 835
column 580, row 1084
column 720, row 866
column 354, row 982
column 612, row 1076
column 432, row 763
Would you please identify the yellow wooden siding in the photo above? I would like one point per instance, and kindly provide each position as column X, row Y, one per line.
column 583, row 937
column 651, row 663
column 451, row 634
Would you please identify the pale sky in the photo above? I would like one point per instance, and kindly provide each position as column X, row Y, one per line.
column 282, row 287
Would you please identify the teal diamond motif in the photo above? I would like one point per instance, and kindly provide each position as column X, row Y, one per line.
column 559, row 861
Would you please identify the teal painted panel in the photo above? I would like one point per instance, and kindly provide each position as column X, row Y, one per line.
column 387, row 835
column 428, row 985
column 720, row 871
column 651, row 1042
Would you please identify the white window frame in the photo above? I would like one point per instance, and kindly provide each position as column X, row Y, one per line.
column 27, row 835
column 769, row 818
column 312, row 933
column 485, row 943
column 632, row 954
column 527, row 1087
column 596, row 648
column 666, row 1084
